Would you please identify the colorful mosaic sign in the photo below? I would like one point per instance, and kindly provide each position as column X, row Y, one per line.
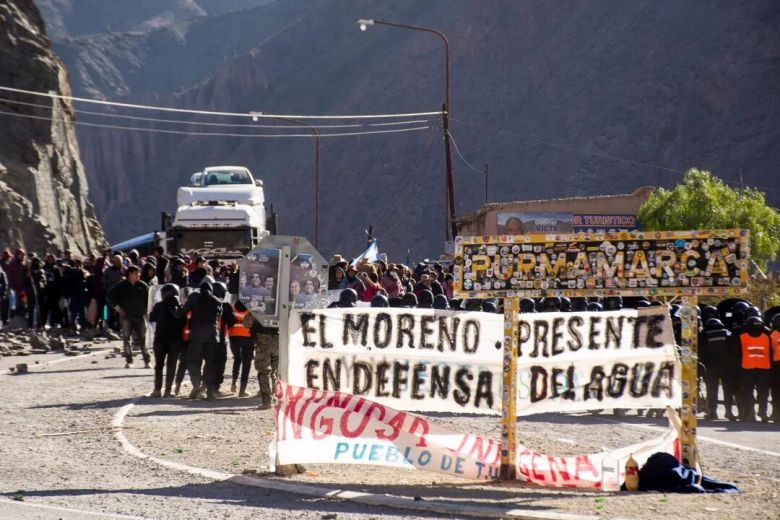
column 650, row 263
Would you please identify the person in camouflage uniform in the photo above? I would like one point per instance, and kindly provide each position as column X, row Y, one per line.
column 266, row 358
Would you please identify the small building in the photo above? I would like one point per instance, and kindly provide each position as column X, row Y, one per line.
column 596, row 213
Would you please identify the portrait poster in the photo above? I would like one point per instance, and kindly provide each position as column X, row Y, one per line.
column 304, row 282
column 259, row 282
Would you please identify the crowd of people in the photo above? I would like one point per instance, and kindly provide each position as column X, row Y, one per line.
column 739, row 346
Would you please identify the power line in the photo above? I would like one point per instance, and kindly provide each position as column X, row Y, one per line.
column 457, row 150
column 205, row 123
column 212, row 134
column 213, row 113
column 569, row 148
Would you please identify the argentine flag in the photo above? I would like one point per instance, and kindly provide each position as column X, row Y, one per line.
column 371, row 254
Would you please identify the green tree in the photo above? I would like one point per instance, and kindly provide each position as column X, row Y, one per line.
column 702, row 201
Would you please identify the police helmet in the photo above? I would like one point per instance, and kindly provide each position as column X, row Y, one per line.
column 714, row 323
column 348, row 297
column 220, row 290
column 169, row 289
column 527, row 305
column 579, row 304
column 440, row 302
column 380, row 300
column 595, row 307
column 488, row 306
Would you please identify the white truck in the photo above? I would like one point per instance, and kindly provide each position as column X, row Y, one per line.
column 221, row 214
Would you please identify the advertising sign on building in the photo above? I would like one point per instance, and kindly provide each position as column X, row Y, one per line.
column 640, row 263
column 517, row 223
column 603, row 223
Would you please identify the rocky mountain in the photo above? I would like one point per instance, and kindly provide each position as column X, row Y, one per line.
column 560, row 98
column 43, row 188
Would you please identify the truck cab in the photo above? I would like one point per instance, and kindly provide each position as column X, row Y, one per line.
column 221, row 214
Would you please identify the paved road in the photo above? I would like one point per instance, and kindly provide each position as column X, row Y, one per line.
column 58, row 454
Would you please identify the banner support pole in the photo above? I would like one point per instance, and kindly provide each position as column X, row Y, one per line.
column 690, row 383
column 509, row 389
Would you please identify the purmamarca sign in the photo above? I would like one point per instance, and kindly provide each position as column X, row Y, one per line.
column 598, row 264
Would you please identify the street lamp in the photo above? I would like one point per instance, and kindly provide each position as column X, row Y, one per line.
column 255, row 117
column 449, row 206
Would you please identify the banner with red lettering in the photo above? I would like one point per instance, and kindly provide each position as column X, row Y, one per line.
column 321, row 427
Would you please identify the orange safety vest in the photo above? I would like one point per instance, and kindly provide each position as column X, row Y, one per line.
column 185, row 333
column 238, row 330
column 775, row 346
column 755, row 351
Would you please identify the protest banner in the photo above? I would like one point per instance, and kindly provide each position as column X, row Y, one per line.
column 450, row 361
column 317, row 426
column 602, row 264
column 580, row 361
column 413, row 359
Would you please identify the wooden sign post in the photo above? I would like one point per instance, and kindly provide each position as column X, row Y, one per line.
column 654, row 263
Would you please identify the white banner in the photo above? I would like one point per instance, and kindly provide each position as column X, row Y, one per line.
column 591, row 360
column 412, row 359
column 314, row 426
column 451, row 361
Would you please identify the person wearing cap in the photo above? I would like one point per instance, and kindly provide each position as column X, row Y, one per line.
column 423, row 285
column 719, row 355
column 756, row 365
column 338, row 261
column 129, row 298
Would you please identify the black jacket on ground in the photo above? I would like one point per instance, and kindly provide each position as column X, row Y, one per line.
column 131, row 297
column 169, row 326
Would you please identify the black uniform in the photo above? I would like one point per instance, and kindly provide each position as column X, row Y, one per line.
column 167, row 340
column 204, row 336
column 720, row 356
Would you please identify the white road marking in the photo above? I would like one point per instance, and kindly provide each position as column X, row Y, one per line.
column 699, row 437
column 69, row 509
column 397, row 502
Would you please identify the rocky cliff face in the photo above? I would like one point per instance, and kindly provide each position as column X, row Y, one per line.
column 43, row 188
column 560, row 98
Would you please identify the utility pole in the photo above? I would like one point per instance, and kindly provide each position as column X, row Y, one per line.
column 486, row 183
column 449, row 208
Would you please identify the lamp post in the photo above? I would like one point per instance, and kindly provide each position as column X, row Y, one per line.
column 449, row 203
column 255, row 116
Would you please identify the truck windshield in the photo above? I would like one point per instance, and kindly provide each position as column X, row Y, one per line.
column 222, row 177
